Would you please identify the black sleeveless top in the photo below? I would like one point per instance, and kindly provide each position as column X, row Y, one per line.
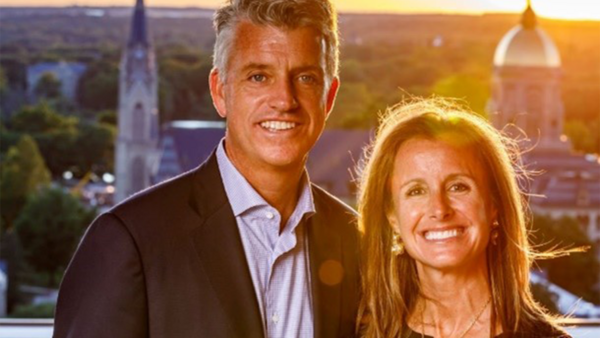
column 413, row 334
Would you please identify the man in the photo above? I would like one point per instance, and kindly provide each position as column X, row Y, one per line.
column 244, row 245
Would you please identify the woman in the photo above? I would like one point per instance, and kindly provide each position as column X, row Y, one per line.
column 445, row 240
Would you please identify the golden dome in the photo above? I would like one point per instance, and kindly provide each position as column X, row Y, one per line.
column 527, row 45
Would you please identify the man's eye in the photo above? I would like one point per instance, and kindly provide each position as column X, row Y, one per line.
column 459, row 187
column 258, row 78
column 307, row 79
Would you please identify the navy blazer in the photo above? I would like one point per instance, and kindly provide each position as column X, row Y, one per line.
column 169, row 263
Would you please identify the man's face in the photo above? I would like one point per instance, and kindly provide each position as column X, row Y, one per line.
column 274, row 96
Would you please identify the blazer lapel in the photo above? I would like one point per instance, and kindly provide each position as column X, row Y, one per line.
column 325, row 250
column 221, row 252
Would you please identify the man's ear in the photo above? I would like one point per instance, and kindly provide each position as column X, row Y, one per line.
column 331, row 94
column 216, row 92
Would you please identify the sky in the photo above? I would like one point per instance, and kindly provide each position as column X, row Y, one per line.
column 558, row 9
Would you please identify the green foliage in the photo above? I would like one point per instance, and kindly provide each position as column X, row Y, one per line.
column 40, row 119
column 108, row 117
column 50, row 226
column 183, row 89
column 576, row 273
column 3, row 81
column 8, row 139
column 585, row 137
column 21, row 173
column 354, row 107
column 99, row 86
column 48, row 86
column 473, row 90
column 579, row 134
column 59, row 148
column 55, row 134
column 67, row 143
column 44, row 310
column 95, row 147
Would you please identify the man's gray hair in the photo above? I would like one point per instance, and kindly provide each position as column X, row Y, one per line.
column 288, row 14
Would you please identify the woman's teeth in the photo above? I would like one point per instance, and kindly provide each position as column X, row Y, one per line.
column 444, row 234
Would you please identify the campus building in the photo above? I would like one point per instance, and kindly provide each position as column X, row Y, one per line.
column 526, row 93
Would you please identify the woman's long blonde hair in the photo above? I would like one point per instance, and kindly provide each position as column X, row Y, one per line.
column 390, row 283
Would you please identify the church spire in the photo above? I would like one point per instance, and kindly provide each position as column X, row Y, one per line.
column 138, row 34
column 528, row 20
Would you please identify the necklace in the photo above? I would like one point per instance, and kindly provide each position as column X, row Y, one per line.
column 475, row 319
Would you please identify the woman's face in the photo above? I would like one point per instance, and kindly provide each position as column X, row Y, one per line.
column 442, row 206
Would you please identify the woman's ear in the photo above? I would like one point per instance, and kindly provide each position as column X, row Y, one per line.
column 392, row 219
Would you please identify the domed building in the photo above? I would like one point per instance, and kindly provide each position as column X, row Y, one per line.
column 526, row 94
column 526, row 84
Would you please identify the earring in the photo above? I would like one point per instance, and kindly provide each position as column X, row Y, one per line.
column 495, row 232
column 397, row 245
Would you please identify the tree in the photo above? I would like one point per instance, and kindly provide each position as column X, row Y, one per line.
column 576, row 273
column 22, row 173
column 67, row 143
column 354, row 107
column 48, row 86
column 183, row 89
column 55, row 134
column 60, row 150
column 95, row 147
column 50, row 226
column 8, row 139
column 99, row 86
column 3, row 81
column 40, row 118
column 473, row 90
column 108, row 117
column 584, row 136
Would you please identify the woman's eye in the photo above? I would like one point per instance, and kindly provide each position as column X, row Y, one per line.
column 459, row 187
column 415, row 192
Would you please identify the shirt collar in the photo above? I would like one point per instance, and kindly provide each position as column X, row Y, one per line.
column 242, row 195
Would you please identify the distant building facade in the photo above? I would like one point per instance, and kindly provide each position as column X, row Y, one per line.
column 68, row 73
column 526, row 93
column 138, row 135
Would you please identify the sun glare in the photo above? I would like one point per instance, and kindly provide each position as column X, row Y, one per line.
column 573, row 9
column 556, row 9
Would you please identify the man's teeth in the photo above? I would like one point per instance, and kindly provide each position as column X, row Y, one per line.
column 437, row 235
column 277, row 125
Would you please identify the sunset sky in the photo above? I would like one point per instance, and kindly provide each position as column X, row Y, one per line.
column 560, row 9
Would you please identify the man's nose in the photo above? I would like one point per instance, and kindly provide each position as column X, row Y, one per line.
column 284, row 96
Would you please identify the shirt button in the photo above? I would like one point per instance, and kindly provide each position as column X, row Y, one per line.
column 275, row 318
column 270, row 215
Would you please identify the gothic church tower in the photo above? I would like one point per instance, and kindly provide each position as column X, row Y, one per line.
column 137, row 141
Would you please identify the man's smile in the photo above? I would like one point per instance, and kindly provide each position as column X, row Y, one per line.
column 278, row 125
